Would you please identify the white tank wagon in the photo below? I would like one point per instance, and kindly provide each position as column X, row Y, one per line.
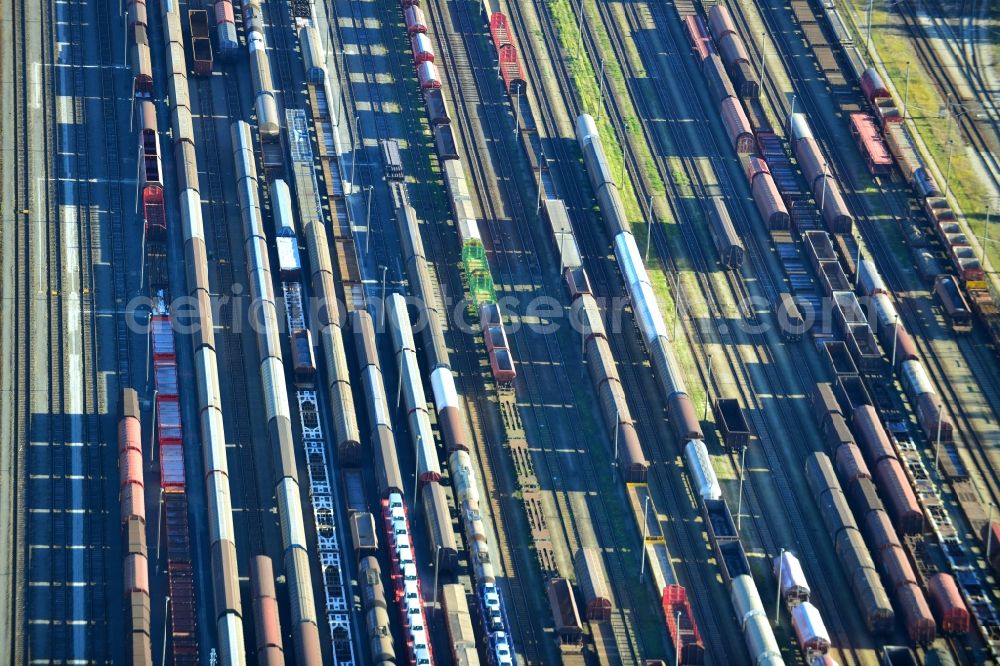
column 228, row 611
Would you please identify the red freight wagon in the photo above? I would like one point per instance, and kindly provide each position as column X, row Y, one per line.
column 870, row 144
column 423, row 50
column 700, row 41
column 165, row 375
column 510, row 70
column 415, row 21
column 737, row 126
column 502, row 365
column 684, row 633
column 163, row 337
column 948, row 604
column 500, row 30
column 153, row 212
column 168, row 420
column 172, row 466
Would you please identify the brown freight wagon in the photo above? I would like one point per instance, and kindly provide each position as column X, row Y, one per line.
column 949, row 607
column 201, row 44
column 562, row 602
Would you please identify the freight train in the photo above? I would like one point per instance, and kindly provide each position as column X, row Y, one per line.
column 638, row 286
column 479, row 281
column 395, row 513
column 138, row 642
column 228, row 612
column 265, row 104
column 586, row 314
column 452, row 422
column 305, row 623
column 478, row 278
column 734, row 118
column 943, row 221
column 327, row 321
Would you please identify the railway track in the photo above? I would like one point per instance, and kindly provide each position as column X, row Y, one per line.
column 462, row 360
column 970, row 126
column 891, row 271
column 230, row 354
column 45, row 421
column 457, row 72
column 648, row 409
column 20, row 312
column 23, row 310
column 96, row 461
column 979, row 452
column 768, row 430
column 493, row 115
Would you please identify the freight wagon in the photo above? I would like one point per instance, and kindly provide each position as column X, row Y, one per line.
column 593, row 581
column 956, row 308
column 681, row 626
column 732, row 424
column 727, row 241
column 562, row 603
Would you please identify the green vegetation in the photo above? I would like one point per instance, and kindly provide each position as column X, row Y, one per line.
column 892, row 42
column 585, row 79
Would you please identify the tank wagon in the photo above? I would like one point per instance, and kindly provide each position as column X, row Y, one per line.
column 376, row 610
column 265, row 103
column 956, row 308
column 227, row 612
column 645, row 307
column 305, row 622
